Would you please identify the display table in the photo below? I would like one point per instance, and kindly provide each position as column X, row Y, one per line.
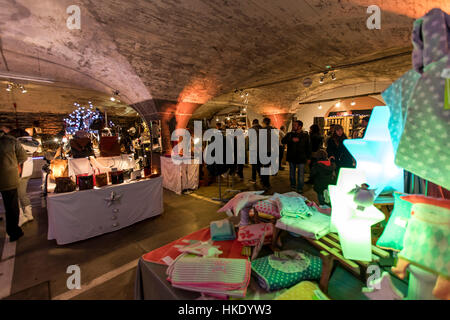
column 179, row 177
column 102, row 164
column 85, row 214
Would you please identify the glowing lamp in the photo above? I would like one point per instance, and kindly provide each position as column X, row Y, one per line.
column 375, row 154
column 352, row 225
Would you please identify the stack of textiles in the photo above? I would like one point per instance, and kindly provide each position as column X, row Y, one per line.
column 285, row 269
column 293, row 206
column 250, row 235
column 222, row 230
column 213, row 276
column 314, row 227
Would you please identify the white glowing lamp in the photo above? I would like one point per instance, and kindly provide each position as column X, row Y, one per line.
column 375, row 154
column 352, row 225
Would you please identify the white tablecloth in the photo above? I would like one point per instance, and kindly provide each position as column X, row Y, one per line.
column 179, row 177
column 84, row 214
column 102, row 164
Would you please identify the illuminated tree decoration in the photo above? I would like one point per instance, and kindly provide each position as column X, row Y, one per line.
column 81, row 118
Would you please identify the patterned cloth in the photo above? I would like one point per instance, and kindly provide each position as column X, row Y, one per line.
column 427, row 237
column 293, row 207
column 250, row 235
column 427, row 127
column 305, row 290
column 286, row 268
column 269, row 207
column 315, row 227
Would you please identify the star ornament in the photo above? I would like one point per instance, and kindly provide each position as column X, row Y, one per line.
column 352, row 225
column 113, row 198
column 375, row 155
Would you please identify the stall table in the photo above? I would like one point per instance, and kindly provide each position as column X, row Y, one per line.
column 85, row 214
column 179, row 177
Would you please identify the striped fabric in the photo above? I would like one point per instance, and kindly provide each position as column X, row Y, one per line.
column 211, row 275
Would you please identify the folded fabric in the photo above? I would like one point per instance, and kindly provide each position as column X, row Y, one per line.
column 293, row 206
column 394, row 232
column 242, row 200
column 211, row 275
column 314, row 227
column 305, row 290
column 222, row 230
column 250, row 235
column 201, row 248
column 268, row 207
column 285, row 269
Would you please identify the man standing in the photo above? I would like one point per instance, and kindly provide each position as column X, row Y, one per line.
column 12, row 155
column 298, row 154
column 282, row 146
column 255, row 167
column 265, row 179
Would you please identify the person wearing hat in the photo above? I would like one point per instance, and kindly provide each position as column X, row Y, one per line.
column 12, row 155
column 322, row 174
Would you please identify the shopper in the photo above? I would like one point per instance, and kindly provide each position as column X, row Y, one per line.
column 282, row 147
column 255, row 166
column 12, row 155
column 298, row 154
column 336, row 150
column 361, row 129
column 30, row 145
column 322, row 175
column 265, row 178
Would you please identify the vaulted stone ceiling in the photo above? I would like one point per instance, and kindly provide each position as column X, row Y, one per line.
column 200, row 51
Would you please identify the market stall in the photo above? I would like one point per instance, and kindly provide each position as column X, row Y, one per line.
column 179, row 177
column 85, row 214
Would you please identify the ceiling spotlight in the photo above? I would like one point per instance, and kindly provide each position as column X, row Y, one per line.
column 245, row 109
column 320, row 106
column 112, row 99
column 333, row 76
column 322, row 79
column 217, row 120
column 353, row 103
column 22, row 88
column 9, row 87
column 338, row 104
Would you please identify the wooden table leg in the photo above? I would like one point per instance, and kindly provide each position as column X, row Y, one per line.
column 328, row 263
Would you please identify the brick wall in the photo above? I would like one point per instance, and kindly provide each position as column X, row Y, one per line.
column 52, row 123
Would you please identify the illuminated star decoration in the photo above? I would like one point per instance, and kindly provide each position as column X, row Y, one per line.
column 113, row 198
column 382, row 289
column 353, row 225
column 375, row 154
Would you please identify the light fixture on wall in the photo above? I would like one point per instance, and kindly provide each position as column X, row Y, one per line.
column 333, row 76
column 12, row 85
column 322, row 79
column 320, row 107
column 353, row 103
column 9, row 87
column 115, row 96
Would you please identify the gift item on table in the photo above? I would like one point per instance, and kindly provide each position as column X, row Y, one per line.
column 59, row 169
column 268, row 207
column 222, row 230
column 285, row 269
column 394, row 232
column 137, row 174
column 305, row 290
column 243, row 200
column 363, row 196
column 81, row 147
column 426, row 243
column 293, row 206
column 127, row 174
column 109, row 146
column 200, row 248
column 211, row 275
column 250, row 235
column 116, row 177
column 85, row 182
column 65, row 184
column 314, row 227
column 101, row 180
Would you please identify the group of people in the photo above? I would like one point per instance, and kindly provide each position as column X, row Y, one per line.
column 324, row 156
column 16, row 168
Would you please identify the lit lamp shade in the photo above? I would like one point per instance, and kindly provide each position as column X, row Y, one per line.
column 352, row 225
column 59, row 168
column 375, row 154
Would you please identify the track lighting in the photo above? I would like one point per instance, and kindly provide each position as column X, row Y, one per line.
column 333, row 76
column 10, row 86
column 322, row 79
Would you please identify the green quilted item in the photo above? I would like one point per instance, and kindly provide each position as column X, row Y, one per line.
column 285, row 269
column 427, row 238
column 394, row 232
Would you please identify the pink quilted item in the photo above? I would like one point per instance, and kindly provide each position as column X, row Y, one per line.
column 250, row 235
column 242, row 200
column 269, row 207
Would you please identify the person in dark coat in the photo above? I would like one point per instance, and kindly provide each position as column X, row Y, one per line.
column 12, row 156
column 298, row 154
column 316, row 144
column 336, row 150
column 322, row 174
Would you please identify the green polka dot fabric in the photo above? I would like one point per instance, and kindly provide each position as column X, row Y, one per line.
column 427, row 239
column 285, row 269
column 424, row 147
